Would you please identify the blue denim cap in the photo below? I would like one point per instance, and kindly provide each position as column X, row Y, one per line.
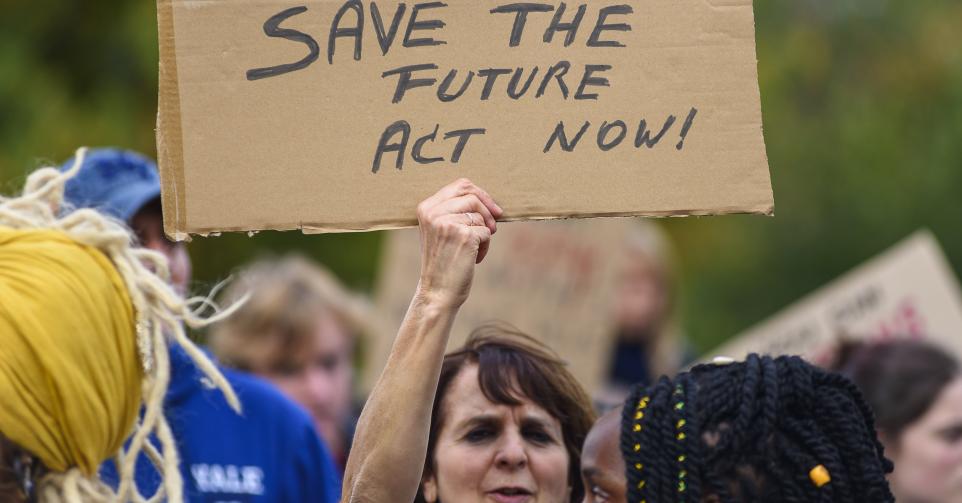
column 113, row 181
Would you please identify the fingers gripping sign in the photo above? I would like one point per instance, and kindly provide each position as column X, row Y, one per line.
column 456, row 225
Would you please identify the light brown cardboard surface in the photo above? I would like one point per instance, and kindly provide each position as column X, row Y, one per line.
column 908, row 291
column 296, row 151
column 552, row 280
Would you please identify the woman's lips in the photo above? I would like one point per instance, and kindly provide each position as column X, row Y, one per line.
column 510, row 495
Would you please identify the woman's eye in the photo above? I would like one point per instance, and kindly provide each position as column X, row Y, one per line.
column 478, row 435
column 952, row 435
column 539, row 436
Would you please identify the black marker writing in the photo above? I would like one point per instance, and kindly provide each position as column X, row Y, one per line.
column 612, row 134
column 588, row 80
column 605, row 145
column 600, row 26
column 405, row 81
column 386, row 38
column 414, row 24
column 644, row 136
column 687, row 126
column 356, row 32
column 272, row 29
column 562, row 138
column 520, row 11
column 570, row 28
column 395, row 138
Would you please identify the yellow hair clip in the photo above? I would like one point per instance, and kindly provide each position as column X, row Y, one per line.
column 819, row 476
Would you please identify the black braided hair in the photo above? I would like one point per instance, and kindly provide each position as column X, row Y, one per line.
column 763, row 430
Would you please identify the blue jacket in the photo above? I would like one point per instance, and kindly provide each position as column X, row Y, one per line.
column 270, row 453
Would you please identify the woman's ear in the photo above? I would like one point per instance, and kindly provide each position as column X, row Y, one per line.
column 429, row 488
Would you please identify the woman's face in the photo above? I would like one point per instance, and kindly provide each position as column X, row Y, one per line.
column 487, row 452
column 320, row 379
column 642, row 300
column 928, row 455
column 602, row 465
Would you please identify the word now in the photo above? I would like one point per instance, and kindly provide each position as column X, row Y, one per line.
column 611, row 134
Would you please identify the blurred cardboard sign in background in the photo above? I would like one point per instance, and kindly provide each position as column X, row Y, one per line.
column 909, row 291
column 332, row 116
column 554, row 281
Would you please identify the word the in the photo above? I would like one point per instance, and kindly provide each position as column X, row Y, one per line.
column 569, row 28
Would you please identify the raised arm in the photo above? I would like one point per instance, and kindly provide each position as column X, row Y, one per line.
column 390, row 445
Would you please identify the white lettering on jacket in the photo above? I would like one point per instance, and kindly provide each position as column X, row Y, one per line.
column 228, row 479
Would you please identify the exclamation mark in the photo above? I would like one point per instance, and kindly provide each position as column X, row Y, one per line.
column 686, row 127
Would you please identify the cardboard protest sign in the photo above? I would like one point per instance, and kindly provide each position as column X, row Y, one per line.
column 553, row 280
column 327, row 115
column 909, row 291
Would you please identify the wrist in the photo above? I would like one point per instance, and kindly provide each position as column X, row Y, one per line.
column 436, row 301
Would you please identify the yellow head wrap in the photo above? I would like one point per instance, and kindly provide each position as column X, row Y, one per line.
column 70, row 374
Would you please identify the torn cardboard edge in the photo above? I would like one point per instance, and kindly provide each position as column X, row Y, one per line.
column 311, row 229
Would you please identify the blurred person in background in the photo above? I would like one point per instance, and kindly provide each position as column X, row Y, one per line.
column 270, row 453
column 915, row 390
column 648, row 343
column 298, row 331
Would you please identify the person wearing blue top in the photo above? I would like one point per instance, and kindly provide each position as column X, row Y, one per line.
column 271, row 451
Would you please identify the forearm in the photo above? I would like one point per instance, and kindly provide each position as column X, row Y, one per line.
column 390, row 445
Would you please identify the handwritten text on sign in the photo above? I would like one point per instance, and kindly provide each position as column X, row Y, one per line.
column 342, row 115
column 579, row 82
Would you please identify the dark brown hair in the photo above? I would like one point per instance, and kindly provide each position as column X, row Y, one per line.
column 11, row 488
column 513, row 367
column 900, row 379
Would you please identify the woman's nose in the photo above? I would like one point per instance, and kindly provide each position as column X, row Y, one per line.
column 511, row 453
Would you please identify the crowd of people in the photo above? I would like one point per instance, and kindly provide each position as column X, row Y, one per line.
column 105, row 397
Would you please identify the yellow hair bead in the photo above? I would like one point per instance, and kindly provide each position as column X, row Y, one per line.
column 819, row 476
column 639, row 415
column 681, row 436
column 681, row 422
column 637, row 447
column 638, row 466
column 681, row 459
column 637, row 428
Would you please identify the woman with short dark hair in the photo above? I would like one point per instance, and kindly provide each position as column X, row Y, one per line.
column 499, row 420
column 915, row 390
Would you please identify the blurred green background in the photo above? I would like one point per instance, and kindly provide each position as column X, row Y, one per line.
column 862, row 105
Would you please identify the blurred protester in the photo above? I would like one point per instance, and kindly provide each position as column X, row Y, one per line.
column 297, row 329
column 648, row 343
column 500, row 419
column 270, row 453
column 84, row 330
column 915, row 390
column 766, row 430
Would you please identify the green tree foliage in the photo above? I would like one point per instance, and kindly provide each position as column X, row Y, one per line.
column 862, row 106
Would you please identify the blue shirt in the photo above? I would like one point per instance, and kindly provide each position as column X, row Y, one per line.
column 269, row 453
